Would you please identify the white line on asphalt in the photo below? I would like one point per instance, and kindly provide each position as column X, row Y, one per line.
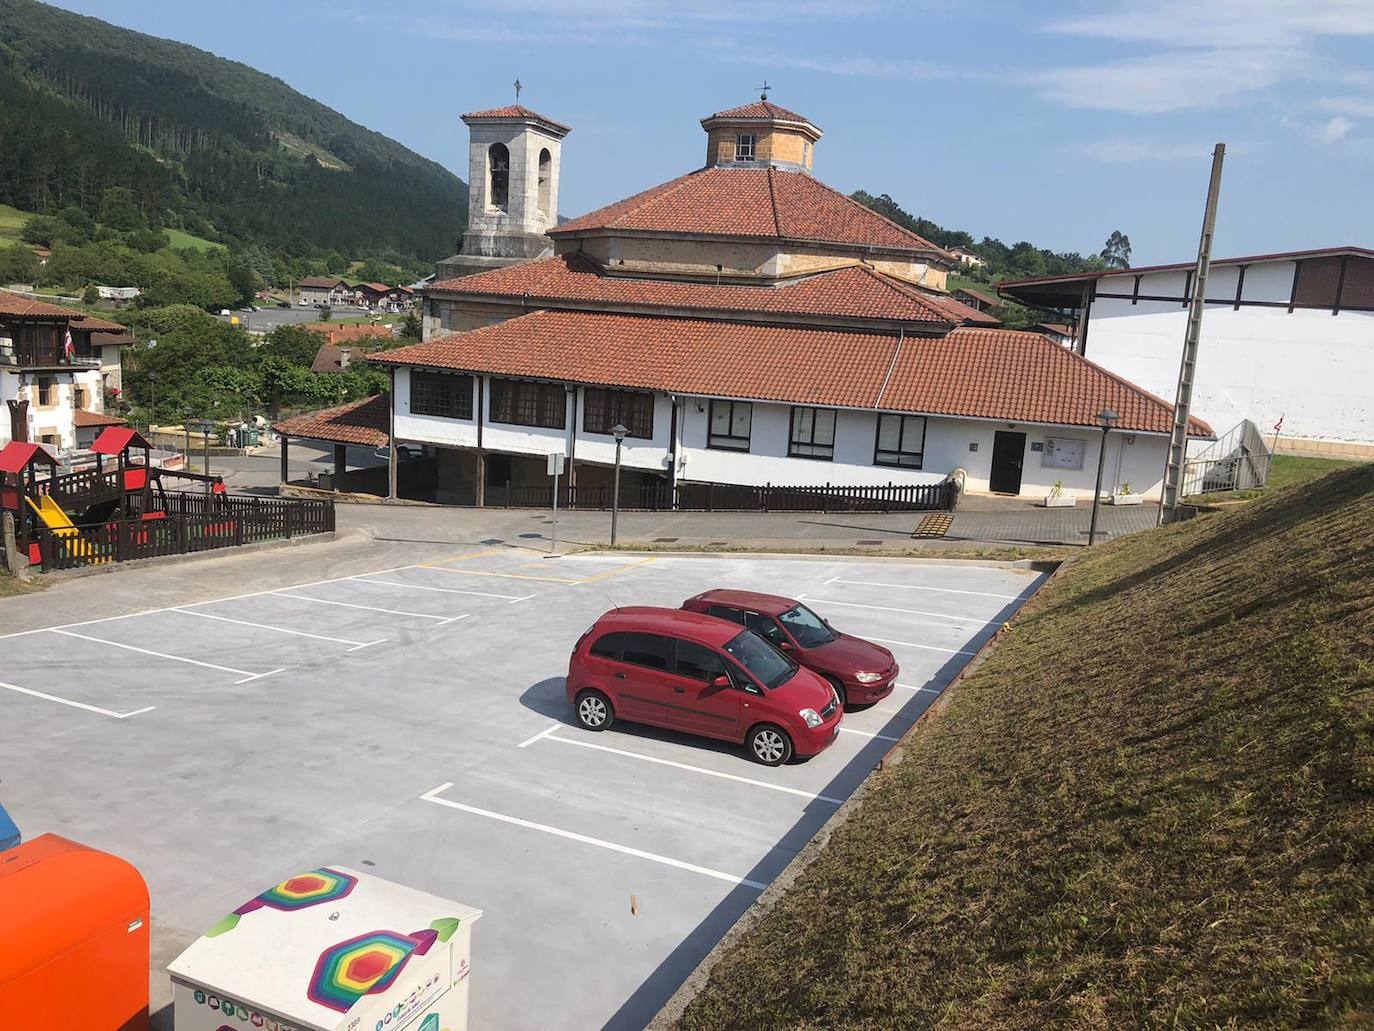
column 269, row 626
column 864, row 733
column 923, row 647
column 696, row 769
column 915, row 687
column 369, row 644
column 441, row 590
column 159, row 655
column 543, row 733
column 76, row 705
column 432, row 796
column 259, row 676
column 887, row 608
column 209, row 601
column 919, row 587
column 354, row 605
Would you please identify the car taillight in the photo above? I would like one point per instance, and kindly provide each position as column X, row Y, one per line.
column 581, row 639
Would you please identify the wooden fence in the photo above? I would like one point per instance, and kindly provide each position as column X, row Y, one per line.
column 724, row 497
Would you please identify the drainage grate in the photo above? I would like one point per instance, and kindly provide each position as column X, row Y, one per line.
column 492, row 540
column 933, row 526
column 870, row 542
column 534, row 536
column 665, row 540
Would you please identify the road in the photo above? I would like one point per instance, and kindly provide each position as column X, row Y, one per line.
column 262, row 471
column 270, row 318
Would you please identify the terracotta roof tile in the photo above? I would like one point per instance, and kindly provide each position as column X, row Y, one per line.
column 366, row 423
column 334, row 333
column 512, row 111
column 958, row 312
column 751, row 202
column 98, row 325
column 762, row 110
column 854, row 292
column 84, row 419
column 990, row 374
column 15, row 305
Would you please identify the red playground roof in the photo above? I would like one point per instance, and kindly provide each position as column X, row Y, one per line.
column 16, row 456
column 116, row 439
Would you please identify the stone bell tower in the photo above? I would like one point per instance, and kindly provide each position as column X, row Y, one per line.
column 513, row 161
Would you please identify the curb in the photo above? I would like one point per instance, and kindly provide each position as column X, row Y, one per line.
column 61, row 575
column 1040, row 565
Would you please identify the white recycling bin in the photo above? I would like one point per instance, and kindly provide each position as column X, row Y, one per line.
column 331, row 949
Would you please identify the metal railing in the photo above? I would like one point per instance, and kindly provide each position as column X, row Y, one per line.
column 1237, row 461
column 728, row 497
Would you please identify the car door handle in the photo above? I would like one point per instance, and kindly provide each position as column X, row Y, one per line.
column 679, row 690
column 620, row 676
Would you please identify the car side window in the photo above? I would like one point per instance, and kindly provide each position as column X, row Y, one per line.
column 765, row 626
column 697, row 662
column 734, row 615
column 608, row 646
column 647, row 650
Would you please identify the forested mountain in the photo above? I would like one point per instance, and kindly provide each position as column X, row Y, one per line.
column 204, row 144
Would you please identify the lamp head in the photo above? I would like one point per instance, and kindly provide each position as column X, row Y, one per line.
column 1107, row 418
column 619, row 431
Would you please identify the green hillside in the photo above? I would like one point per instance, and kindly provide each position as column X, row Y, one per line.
column 206, row 145
column 1152, row 806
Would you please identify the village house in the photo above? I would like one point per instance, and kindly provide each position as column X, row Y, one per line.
column 53, row 395
column 380, row 297
column 1286, row 339
column 968, row 258
column 328, row 290
column 746, row 325
column 978, row 298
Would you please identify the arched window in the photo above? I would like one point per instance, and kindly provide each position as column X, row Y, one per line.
column 545, row 180
column 498, row 172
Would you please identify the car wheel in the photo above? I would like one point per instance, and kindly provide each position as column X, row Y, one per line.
column 839, row 692
column 594, row 710
column 770, row 745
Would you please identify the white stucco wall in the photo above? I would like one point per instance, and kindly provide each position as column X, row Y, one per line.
column 51, row 420
column 1312, row 368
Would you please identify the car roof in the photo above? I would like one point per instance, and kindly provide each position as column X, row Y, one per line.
column 768, row 604
column 695, row 626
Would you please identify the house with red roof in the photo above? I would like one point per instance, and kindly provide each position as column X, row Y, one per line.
column 746, row 325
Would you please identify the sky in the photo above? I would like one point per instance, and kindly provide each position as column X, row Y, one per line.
column 1053, row 122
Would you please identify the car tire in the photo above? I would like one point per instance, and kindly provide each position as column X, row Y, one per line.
column 839, row 693
column 769, row 744
column 594, row 711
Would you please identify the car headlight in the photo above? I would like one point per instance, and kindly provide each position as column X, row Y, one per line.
column 868, row 678
column 812, row 717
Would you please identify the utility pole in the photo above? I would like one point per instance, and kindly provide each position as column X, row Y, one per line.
column 1183, row 398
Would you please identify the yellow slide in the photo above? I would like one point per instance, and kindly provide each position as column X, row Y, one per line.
column 56, row 520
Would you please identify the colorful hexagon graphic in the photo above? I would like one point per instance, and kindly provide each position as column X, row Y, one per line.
column 365, row 965
column 312, row 888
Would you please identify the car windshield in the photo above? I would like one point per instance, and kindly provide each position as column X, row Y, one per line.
column 807, row 627
column 768, row 665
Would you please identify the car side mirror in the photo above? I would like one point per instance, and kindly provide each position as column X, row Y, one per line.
column 721, row 681
column 785, row 645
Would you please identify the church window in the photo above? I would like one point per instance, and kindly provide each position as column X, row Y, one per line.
column 744, row 147
column 498, row 164
column 545, row 180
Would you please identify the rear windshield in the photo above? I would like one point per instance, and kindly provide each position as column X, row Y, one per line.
column 768, row 665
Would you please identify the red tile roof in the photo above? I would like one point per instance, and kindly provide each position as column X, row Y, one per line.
column 761, row 110
column 854, row 292
column 978, row 373
column 98, row 325
column 333, row 333
column 751, row 202
column 25, row 307
column 510, row 111
column 958, row 312
column 84, row 419
column 366, row 423
column 322, row 282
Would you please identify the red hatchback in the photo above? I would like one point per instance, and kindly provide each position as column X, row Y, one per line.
column 691, row 672
column 860, row 671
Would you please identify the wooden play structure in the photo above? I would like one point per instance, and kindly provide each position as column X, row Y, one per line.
column 122, row 509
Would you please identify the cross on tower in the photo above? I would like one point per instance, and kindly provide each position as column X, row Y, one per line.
column 518, row 88
column 764, row 90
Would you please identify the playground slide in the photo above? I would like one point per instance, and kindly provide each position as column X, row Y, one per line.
column 56, row 520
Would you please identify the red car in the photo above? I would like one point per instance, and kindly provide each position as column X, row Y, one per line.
column 691, row 672
column 861, row 672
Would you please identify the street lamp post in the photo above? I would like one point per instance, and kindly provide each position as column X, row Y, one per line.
column 619, row 431
column 1107, row 418
column 152, row 413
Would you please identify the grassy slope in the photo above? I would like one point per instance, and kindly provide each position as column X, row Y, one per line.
column 182, row 239
column 1153, row 804
column 11, row 221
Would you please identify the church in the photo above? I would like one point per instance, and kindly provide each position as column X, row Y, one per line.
column 743, row 326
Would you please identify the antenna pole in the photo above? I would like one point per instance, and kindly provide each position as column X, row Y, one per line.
column 1183, row 399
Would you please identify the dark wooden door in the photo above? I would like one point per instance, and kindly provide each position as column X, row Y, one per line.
column 1008, row 453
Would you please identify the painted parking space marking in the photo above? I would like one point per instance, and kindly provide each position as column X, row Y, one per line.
column 75, row 704
column 506, row 576
column 616, row 571
column 653, row 857
column 259, row 676
column 370, row 608
column 542, row 734
column 278, row 629
column 920, row 587
column 467, row 555
column 512, row 598
column 160, row 655
column 865, row 733
column 923, row 647
column 887, row 608
column 550, row 736
column 921, row 687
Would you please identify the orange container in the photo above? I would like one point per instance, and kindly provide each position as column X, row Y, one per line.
column 73, row 939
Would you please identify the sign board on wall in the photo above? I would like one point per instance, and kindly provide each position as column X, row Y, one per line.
column 1064, row 453
column 556, row 463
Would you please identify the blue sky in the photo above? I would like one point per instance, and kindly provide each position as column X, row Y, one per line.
column 1050, row 122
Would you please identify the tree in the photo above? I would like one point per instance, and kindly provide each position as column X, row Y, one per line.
column 412, row 327
column 119, row 209
column 1117, row 250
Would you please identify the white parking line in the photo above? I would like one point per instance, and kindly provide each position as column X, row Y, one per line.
column 923, row 647
column 915, row 687
column 542, row 734
column 887, row 608
column 76, row 705
column 370, row 608
column 278, row 629
column 259, row 676
column 694, row 769
column 864, row 733
column 160, row 655
column 919, row 587
column 653, row 857
column 443, row 590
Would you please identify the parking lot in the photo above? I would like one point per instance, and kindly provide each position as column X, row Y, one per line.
column 412, row 721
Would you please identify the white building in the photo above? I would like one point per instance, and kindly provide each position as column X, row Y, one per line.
column 326, row 290
column 1284, row 337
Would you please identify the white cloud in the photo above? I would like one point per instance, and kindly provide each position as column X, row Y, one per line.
column 1223, row 23
column 1335, row 130
column 1362, row 107
column 1122, row 150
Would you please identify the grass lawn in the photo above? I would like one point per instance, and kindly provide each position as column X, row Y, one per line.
column 11, row 221
column 1284, row 471
column 182, row 239
column 1152, row 805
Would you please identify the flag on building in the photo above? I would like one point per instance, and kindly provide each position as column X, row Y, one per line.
column 68, row 348
column 1279, row 425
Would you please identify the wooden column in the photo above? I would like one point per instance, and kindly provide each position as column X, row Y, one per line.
column 391, row 440
column 285, row 451
column 340, row 464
